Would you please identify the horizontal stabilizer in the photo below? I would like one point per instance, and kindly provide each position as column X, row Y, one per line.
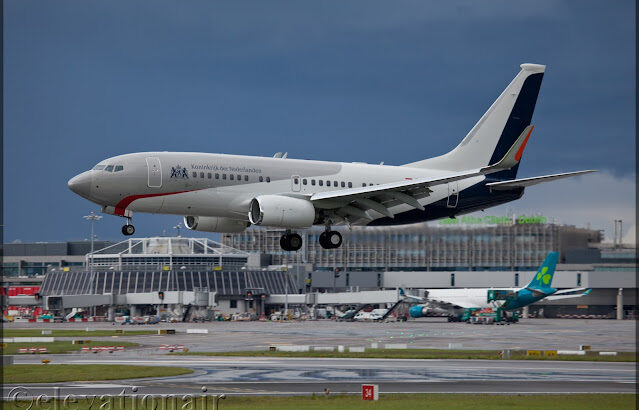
column 524, row 182
column 569, row 293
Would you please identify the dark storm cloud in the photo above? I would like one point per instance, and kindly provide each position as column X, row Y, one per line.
column 353, row 81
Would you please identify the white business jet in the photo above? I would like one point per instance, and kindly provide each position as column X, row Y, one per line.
column 228, row 193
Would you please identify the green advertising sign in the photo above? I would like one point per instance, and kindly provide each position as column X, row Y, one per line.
column 494, row 220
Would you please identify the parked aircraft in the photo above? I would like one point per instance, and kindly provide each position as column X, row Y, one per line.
column 508, row 299
column 228, row 193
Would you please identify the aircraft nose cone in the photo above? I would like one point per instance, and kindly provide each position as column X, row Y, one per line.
column 81, row 184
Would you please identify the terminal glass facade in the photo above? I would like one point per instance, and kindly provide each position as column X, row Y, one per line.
column 120, row 282
column 425, row 247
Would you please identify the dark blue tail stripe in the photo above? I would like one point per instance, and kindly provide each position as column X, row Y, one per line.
column 520, row 118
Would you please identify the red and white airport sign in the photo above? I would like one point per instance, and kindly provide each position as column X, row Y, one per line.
column 370, row 392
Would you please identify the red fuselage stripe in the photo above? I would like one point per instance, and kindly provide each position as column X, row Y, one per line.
column 124, row 203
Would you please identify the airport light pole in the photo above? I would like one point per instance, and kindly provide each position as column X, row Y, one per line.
column 297, row 274
column 286, row 291
column 178, row 227
column 92, row 217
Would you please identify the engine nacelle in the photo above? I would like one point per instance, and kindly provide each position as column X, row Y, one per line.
column 214, row 224
column 418, row 311
column 281, row 212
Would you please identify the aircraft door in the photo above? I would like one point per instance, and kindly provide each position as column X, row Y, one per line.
column 155, row 172
column 296, row 183
column 453, row 194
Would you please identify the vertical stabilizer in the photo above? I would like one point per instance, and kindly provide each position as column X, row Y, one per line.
column 498, row 129
column 543, row 277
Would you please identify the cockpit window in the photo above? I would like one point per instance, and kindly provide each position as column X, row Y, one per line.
column 109, row 168
column 118, row 168
column 99, row 167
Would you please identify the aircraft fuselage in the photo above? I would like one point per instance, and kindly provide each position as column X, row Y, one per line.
column 221, row 185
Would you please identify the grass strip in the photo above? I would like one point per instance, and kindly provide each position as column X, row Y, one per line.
column 386, row 402
column 437, row 401
column 74, row 333
column 420, row 354
column 63, row 346
column 52, row 373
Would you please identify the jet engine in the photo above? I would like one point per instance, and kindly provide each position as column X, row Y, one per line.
column 214, row 224
column 418, row 311
column 281, row 211
column 426, row 310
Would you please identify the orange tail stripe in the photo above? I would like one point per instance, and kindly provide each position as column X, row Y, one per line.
column 520, row 151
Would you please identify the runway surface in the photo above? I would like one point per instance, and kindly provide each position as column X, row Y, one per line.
column 568, row 334
column 233, row 375
column 285, row 376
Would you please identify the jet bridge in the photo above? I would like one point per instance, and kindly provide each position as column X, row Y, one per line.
column 339, row 298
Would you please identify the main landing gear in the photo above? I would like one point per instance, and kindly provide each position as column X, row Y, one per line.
column 128, row 229
column 291, row 241
column 330, row 239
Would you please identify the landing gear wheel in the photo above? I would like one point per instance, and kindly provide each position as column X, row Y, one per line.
column 323, row 242
column 295, row 242
column 330, row 239
column 334, row 239
column 291, row 242
column 284, row 242
column 128, row 230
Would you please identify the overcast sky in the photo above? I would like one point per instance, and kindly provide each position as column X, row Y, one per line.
column 335, row 80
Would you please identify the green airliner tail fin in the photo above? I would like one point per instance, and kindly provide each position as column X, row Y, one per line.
column 543, row 277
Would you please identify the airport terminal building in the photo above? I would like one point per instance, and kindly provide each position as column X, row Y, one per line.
column 465, row 252
column 247, row 273
column 453, row 244
column 173, row 277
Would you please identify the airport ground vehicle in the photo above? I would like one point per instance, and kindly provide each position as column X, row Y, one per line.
column 487, row 316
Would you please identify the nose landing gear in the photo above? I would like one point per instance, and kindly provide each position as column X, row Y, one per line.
column 291, row 241
column 128, row 229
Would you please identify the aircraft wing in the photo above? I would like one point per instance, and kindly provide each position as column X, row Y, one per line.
column 411, row 297
column 524, row 182
column 569, row 293
column 354, row 203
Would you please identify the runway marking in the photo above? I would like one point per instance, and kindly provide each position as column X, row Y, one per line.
column 163, row 363
column 90, row 386
column 247, row 363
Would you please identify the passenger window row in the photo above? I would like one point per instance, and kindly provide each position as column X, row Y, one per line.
column 336, row 184
column 305, row 181
column 231, row 177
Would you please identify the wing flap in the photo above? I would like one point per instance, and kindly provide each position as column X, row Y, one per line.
column 400, row 186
